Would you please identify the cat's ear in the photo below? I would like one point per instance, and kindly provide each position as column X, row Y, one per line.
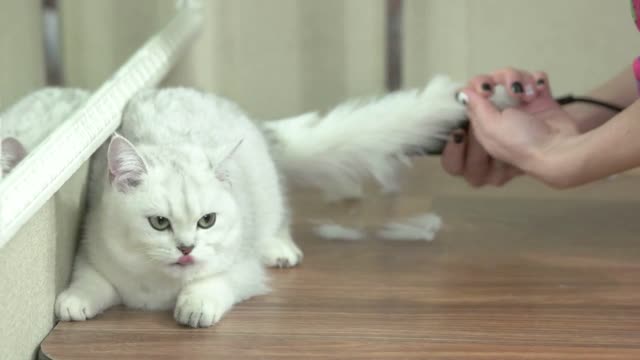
column 225, row 153
column 11, row 153
column 126, row 167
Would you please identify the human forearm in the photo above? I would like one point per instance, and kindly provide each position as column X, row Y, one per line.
column 619, row 90
column 607, row 150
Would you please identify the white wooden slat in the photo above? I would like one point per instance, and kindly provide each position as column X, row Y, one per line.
column 58, row 157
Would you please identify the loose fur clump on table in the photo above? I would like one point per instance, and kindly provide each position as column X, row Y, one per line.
column 419, row 227
column 422, row 227
column 337, row 232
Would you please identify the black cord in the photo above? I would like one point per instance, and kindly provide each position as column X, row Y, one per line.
column 568, row 99
column 563, row 100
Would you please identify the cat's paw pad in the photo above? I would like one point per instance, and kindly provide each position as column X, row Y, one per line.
column 282, row 254
column 73, row 306
column 197, row 311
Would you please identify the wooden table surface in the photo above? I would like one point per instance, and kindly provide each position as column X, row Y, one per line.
column 519, row 273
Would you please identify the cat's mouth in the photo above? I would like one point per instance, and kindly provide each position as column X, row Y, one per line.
column 185, row 260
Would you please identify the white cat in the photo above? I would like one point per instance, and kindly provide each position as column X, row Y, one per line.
column 186, row 203
column 28, row 122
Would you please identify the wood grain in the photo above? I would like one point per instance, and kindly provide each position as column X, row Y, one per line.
column 528, row 274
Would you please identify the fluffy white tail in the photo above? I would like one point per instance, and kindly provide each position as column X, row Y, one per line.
column 356, row 140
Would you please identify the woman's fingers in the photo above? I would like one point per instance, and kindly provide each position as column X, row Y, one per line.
column 453, row 155
column 519, row 84
column 481, row 111
column 500, row 173
column 476, row 167
column 542, row 84
column 483, row 85
column 469, row 158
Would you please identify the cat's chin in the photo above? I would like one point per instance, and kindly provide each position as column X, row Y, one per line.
column 183, row 264
column 178, row 265
column 182, row 271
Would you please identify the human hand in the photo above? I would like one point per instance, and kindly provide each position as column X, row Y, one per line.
column 508, row 135
column 465, row 156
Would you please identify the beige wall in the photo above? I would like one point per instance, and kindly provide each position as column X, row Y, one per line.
column 282, row 57
column 278, row 58
column 21, row 49
column 275, row 58
column 579, row 42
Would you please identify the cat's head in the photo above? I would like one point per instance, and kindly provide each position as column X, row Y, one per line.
column 11, row 153
column 175, row 205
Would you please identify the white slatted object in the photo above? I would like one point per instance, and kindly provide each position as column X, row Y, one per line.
column 62, row 153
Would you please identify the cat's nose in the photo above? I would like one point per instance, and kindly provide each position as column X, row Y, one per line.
column 185, row 250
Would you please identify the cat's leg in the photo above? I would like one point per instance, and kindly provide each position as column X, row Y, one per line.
column 88, row 294
column 203, row 303
column 279, row 250
column 275, row 244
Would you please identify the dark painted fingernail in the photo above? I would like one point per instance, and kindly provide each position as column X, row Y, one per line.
column 458, row 137
column 465, row 125
column 517, row 87
column 486, row 87
column 540, row 82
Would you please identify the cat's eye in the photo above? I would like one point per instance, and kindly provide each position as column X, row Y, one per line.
column 159, row 223
column 207, row 221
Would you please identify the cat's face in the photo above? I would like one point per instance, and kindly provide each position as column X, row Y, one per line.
column 177, row 208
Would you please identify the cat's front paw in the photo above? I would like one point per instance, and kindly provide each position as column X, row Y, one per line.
column 74, row 306
column 281, row 253
column 198, row 311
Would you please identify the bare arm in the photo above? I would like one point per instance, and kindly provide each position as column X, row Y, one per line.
column 609, row 149
column 619, row 90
